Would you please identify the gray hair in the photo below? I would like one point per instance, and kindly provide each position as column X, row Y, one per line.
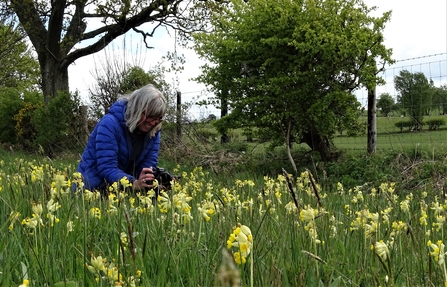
column 147, row 99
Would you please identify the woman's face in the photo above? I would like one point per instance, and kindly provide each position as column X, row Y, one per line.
column 148, row 122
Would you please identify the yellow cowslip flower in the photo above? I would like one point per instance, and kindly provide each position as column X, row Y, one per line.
column 113, row 273
column 123, row 238
column 206, row 209
column 37, row 173
column 340, row 188
column 125, row 182
column 230, row 240
column 180, row 201
column 438, row 208
column 70, row 226
column 53, row 205
column 291, row 207
column 53, row 219
column 95, row 212
column 239, row 258
column 405, row 205
column 13, row 217
column 164, row 203
column 314, row 235
column 440, row 220
column 348, row 209
column 382, row 249
column 386, row 215
column 24, row 283
column 308, row 214
column 37, row 209
column 59, row 185
column 438, row 251
column 90, row 196
column 241, row 238
column 398, row 227
column 423, row 218
column 77, row 180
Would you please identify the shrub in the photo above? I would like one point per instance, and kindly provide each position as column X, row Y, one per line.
column 435, row 124
column 405, row 124
column 54, row 122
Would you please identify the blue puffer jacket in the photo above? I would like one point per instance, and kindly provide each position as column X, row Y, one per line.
column 108, row 151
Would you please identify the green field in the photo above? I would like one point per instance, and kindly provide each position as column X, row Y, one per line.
column 369, row 235
column 389, row 137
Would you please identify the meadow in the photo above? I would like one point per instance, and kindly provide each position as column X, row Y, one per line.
column 271, row 231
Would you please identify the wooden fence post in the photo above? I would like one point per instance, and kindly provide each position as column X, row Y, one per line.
column 83, row 131
column 372, row 121
column 179, row 115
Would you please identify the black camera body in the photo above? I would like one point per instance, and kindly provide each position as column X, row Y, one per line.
column 163, row 177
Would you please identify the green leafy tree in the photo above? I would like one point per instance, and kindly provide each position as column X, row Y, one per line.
column 385, row 104
column 63, row 31
column 415, row 95
column 19, row 69
column 19, row 77
column 290, row 67
column 440, row 99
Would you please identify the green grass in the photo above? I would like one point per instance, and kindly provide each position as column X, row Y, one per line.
column 389, row 137
column 326, row 241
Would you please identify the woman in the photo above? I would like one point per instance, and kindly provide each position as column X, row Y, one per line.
column 125, row 142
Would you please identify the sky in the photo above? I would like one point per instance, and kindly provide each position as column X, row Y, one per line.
column 417, row 33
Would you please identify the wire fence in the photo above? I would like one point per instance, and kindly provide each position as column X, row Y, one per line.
column 389, row 134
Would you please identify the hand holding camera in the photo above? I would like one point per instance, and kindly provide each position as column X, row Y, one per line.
column 163, row 177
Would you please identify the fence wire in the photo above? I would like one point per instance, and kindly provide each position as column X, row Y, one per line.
column 434, row 67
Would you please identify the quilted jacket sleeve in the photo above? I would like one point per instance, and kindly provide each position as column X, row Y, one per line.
column 110, row 145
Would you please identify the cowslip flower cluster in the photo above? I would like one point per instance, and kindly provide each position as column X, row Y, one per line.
column 308, row 215
column 242, row 239
column 382, row 250
column 438, row 255
column 109, row 272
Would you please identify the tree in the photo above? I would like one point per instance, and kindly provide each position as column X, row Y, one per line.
column 415, row 95
column 19, row 69
column 56, row 27
column 19, row 76
column 115, row 80
column 290, row 68
column 385, row 104
column 439, row 100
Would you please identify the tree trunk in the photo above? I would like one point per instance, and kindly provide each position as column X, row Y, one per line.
column 54, row 77
column 321, row 144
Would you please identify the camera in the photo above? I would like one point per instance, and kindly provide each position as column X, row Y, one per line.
column 163, row 177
